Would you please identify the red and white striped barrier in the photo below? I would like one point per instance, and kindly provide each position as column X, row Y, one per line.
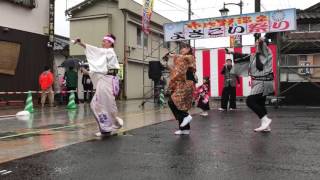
column 211, row 61
column 39, row 92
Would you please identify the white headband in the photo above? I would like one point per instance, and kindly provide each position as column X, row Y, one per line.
column 109, row 39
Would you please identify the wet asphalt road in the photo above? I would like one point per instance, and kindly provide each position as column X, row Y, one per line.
column 222, row 146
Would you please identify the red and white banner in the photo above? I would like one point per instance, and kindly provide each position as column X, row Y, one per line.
column 211, row 61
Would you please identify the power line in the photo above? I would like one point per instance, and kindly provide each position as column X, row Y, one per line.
column 196, row 9
column 174, row 4
column 166, row 2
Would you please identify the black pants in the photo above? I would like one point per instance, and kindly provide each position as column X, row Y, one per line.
column 228, row 95
column 178, row 114
column 257, row 104
column 86, row 94
column 75, row 94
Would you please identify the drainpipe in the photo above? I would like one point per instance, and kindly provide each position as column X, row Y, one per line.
column 125, row 54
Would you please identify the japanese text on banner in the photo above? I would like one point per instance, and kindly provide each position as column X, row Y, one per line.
column 261, row 22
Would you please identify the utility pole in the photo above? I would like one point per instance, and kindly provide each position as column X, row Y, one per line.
column 189, row 14
column 257, row 8
column 189, row 10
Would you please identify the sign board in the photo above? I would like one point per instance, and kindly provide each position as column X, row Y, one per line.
column 261, row 22
column 235, row 41
column 9, row 56
column 51, row 22
column 121, row 71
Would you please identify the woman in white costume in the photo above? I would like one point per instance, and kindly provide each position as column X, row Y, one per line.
column 104, row 66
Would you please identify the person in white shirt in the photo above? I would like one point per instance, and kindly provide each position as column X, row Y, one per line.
column 104, row 66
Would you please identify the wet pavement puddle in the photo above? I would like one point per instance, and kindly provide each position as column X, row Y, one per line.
column 40, row 131
column 50, row 126
column 306, row 126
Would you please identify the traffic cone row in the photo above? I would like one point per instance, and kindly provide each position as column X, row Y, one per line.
column 29, row 104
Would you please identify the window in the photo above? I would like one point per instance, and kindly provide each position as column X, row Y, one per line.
column 289, row 60
column 308, row 27
column 315, row 27
column 303, row 61
column 166, row 44
column 303, row 27
column 139, row 38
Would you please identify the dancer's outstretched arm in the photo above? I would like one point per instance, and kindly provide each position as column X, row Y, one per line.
column 238, row 57
column 80, row 43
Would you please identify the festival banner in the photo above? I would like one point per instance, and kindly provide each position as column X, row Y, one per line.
column 261, row 22
column 146, row 15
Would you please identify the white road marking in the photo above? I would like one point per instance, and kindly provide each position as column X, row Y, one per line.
column 5, row 172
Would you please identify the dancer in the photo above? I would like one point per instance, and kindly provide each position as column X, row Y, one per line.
column 181, row 88
column 229, row 90
column 104, row 65
column 259, row 66
column 202, row 94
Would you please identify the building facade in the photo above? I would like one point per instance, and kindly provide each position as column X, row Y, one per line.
column 301, row 48
column 23, row 45
column 92, row 19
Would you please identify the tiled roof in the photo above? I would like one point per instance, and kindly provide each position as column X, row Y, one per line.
column 308, row 15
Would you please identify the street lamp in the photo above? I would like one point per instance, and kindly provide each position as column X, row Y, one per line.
column 224, row 12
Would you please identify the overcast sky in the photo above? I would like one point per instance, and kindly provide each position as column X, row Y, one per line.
column 176, row 10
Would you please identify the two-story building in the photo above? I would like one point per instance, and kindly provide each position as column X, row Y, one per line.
column 23, row 45
column 92, row 19
column 301, row 48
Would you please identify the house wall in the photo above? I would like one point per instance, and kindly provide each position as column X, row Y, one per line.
column 30, row 20
column 94, row 22
column 91, row 27
column 289, row 76
column 34, row 55
column 27, row 27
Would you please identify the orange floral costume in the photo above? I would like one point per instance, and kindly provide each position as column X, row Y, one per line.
column 181, row 88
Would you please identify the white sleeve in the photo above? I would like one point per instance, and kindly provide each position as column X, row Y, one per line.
column 112, row 59
column 92, row 53
column 110, row 55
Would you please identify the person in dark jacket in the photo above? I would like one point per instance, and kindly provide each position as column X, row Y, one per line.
column 71, row 78
column 87, row 87
column 229, row 90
